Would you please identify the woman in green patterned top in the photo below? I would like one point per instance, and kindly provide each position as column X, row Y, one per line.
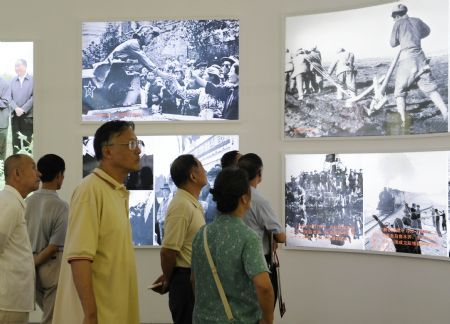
column 237, row 253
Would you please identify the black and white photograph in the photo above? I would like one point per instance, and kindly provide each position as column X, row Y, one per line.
column 16, row 100
column 152, row 190
column 405, row 202
column 141, row 216
column 446, row 219
column 374, row 71
column 324, row 201
column 139, row 180
column 161, row 70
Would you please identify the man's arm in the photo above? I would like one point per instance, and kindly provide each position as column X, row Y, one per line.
column 269, row 221
column 28, row 105
column 378, row 221
column 57, row 235
column 264, row 292
column 424, row 29
column 168, row 260
column 280, row 237
column 5, row 95
column 45, row 254
column 394, row 36
column 82, row 278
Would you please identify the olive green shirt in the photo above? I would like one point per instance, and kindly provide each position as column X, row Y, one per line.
column 237, row 253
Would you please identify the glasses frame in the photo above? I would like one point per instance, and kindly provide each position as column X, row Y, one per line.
column 132, row 144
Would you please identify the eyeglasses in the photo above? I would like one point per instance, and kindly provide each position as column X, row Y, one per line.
column 226, row 65
column 132, row 144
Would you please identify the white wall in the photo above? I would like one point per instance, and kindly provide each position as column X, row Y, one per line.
column 319, row 287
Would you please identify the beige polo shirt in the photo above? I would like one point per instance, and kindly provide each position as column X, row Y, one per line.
column 183, row 220
column 99, row 230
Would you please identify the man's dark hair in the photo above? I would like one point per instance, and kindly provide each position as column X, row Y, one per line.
column 50, row 165
column 105, row 133
column 180, row 169
column 229, row 159
column 251, row 163
column 230, row 184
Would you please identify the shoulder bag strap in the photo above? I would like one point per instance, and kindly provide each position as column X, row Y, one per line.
column 224, row 299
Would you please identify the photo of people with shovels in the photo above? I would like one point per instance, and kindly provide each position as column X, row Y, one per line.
column 383, row 70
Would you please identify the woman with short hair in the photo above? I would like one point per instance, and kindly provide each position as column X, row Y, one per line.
column 237, row 254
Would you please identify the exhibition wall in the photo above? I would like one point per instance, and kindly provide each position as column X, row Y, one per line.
column 319, row 286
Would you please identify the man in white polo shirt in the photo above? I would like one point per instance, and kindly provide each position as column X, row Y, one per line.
column 16, row 257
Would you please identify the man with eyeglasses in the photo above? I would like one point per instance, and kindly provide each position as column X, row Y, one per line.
column 98, row 282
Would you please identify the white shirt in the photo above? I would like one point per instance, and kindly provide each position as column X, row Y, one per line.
column 16, row 257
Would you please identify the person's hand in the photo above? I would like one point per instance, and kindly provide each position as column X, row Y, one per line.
column 274, row 245
column 19, row 111
column 164, row 288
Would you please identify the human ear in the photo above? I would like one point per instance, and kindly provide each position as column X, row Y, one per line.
column 106, row 151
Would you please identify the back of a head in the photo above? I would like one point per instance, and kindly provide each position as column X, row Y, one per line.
column 50, row 165
column 252, row 164
column 180, row 169
column 230, row 184
column 105, row 133
column 229, row 159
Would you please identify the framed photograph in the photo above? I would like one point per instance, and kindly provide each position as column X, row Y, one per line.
column 16, row 100
column 374, row 71
column 324, row 201
column 386, row 202
column 408, row 192
column 162, row 70
column 151, row 188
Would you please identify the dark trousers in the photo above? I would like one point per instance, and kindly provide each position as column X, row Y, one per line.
column 181, row 296
column 273, row 277
column 24, row 125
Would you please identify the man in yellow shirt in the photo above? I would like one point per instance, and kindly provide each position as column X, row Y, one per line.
column 98, row 282
column 183, row 219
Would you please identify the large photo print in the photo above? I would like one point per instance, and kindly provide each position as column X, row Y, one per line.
column 406, row 202
column 374, row 71
column 387, row 202
column 16, row 100
column 151, row 188
column 165, row 70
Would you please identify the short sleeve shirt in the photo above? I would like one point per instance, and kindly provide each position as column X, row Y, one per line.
column 261, row 218
column 46, row 215
column 99, row 230
column 237, row 253
column 183, row 219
